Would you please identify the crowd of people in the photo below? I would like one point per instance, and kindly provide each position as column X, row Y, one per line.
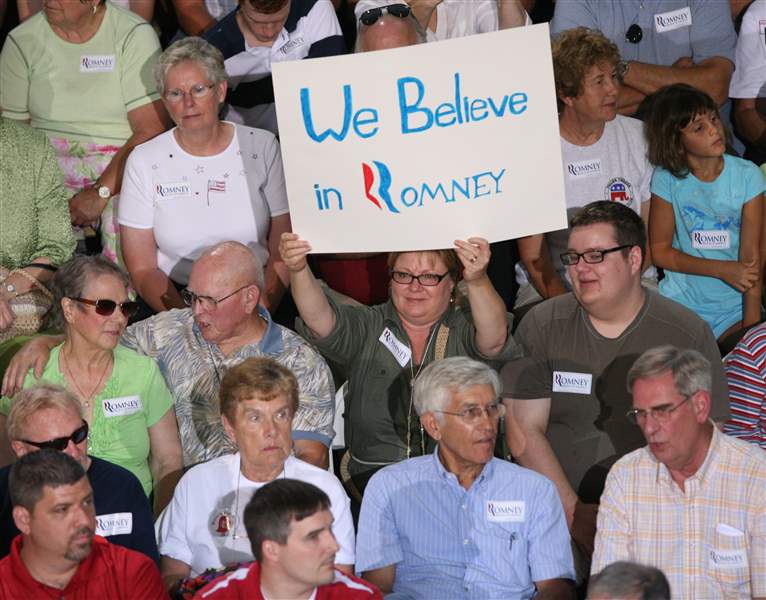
column 577, row 413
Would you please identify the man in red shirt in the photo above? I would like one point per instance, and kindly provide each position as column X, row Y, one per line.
column 58, row 554
column 289, row 524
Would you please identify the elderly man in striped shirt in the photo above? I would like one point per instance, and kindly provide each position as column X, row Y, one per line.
column 692, row 501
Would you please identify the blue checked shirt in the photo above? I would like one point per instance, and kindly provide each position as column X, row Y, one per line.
column 491, row 541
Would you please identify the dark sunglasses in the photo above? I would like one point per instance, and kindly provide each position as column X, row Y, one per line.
column 106, row 307
column 634, row 34
column 371, row 15
column 60, row 444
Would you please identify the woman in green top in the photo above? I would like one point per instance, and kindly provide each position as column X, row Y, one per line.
column 124, row 398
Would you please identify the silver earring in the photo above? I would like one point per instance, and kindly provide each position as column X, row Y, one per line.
column 95, row 7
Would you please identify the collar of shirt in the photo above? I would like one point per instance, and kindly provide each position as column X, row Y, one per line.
column 271, row 342
column 697, row 480
column 451, row 479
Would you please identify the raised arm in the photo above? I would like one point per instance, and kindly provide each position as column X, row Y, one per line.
column 276, row 276
column 510, row 13
column 309, row 298
column 536, row 256
column 487, row 307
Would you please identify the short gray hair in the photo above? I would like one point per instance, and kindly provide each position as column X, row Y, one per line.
column 690, row 370
column 39, row 397
column 72, row 277
column 623, row 580
column 435, row 385
column 194, row 49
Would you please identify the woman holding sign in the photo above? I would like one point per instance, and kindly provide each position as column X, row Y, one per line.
column 383, row 348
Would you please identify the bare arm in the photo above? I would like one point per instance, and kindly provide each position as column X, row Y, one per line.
column 173, row 571
column 536, row 256
column 749, row 252
column 312, row 452
column 750, row 117
column 645, row 209
column 510, row 13
column 662, row 224
column 383, row 578
column 555, row 589
column 165, row 459
column 143, row 8
column 712, row 75
column 193, row 16
column 6, row 453
column 32, row 355
column 424, row 12
column 629, row 99
column 139, row 249
column 487, row 308
column 28, row 8
column 276, row 275
column 309, row 298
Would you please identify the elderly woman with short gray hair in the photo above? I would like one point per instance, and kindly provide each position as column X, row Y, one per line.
column 203, row 182
column 124, row 399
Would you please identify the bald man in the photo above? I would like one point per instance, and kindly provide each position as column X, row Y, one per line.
column 195, row 346
column 388, row 32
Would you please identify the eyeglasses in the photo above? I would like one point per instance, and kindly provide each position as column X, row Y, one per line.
column 660, row 413
column 198, row 92
column 474, row 414
column 371, row 15
column 589, row 256
column 106, row 307
column 207, row 302
column 60, row 444
column 426, row 279
column 634, row 34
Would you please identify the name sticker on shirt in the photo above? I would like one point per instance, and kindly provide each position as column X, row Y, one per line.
column 727, row 559
column 502, row 511
column 711, row 240
column 675, row 19
column 114, row 524
column 96, row 63
column 571, row 383
column 173, row 190
column 292, row 45
column 120, row 407
column 400, row 351
column 584, row 168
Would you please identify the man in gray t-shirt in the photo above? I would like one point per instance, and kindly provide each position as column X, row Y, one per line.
column 568, row 398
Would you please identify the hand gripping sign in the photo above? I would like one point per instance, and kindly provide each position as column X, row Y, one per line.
column 412, row 148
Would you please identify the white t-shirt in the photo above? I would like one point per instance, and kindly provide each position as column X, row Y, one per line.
column 749, row 79
column 190, row 525
column 454, row 18
column 614, row 168
column 192, row 202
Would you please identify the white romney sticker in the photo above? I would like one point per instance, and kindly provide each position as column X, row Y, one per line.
column 571, row 383
column 674, row 19
column 727, row 559
column 584, row 168
column 711, row 240
column 120, row 407
column 400, row 351
column 114, row 524
column 96, row 63
column 506, row 511
column 173, row 190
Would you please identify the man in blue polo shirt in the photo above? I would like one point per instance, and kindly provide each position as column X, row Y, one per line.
column 460, row 523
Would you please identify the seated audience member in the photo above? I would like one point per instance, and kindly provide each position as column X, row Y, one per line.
column 195, row 17
column 194, row 347
column 691, row 502
column 48, row 416
column 259, row 33
column 384, row 347
column 78, row 71
column 461, row 523
column 203, row 526
column 36, row 234
column 661, row 43
column 706, row 219
column 567, row 397
column 603, row 153
column 447, row 19
column 124, row 399
column 746, row 374
column 203, row 182
column 58, row 554
column 629, row 581
column 748, row 84
column 289, row 524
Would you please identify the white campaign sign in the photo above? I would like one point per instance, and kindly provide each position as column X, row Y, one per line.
column 412, row 148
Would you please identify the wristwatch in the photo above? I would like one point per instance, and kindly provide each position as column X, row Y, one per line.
column 622, row 69
column 9, row 289
column 104, row 192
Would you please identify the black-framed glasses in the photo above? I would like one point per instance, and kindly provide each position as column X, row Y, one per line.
column 591, row 257
column 473, row 414
column 426, row 279
column 661, row 413
column 207, row 302
column 60, row 443
column 368, row 17
column 198, row 92
column 634, row 34
column 106, row 307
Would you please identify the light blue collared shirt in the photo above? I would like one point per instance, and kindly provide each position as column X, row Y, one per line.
column 493, row 540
